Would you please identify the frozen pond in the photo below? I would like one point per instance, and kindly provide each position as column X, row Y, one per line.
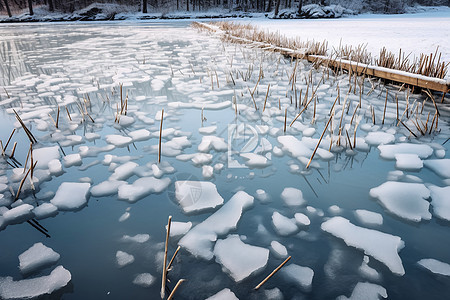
column 370, row 215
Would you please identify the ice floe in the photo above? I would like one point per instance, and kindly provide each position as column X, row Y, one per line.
column 298, row 275
column 106, row 188
column 408, row 162
column 405, row 200
column 201, row 238
column 366, row 291
column 71, row 195
column 278, row 249
column 439, row 166
column 240, row 260
column 225, row 294
column 389, row 151
column 292, row 196
column 283, row 225
column 138, row 238
column 369, row 218
column 440, row 200
column 142, row 187
column 435, row 266
column 379, row 245
column 36, row 257
column 195, row 196
column 34, row 287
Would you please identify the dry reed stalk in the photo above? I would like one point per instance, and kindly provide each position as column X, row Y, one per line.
column 175, row 288
column 3, row 149
column 285, row 117
column 373, row 115
column 68, row 114
column 164, row 269
column 7, row 95
column 348, row 138
column 173, row 258
column 443, row 96
column 265, row 99
column 28, row 155
column 9, row 139
column 160, row 136
column 13, row 150
column 384, row 111
column 408, row 128
column 273, row 273
column 254, row 102
column 432, row 99
column 27, row 131
column 217, row 79
column 320, row 139
column 23, row 180
column 432, row 122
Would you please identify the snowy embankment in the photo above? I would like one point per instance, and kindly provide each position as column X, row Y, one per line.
column 412, row 33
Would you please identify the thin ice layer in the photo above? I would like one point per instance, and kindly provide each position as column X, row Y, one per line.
column 195, row 196
column 366, row 291
column 240, row 260
column 405, row 200
column 439, row 166
column 381, row 246
column 200, row 239
column 34, row 287
column 301, row 276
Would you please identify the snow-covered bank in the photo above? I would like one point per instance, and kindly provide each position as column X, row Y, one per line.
column 413, row 33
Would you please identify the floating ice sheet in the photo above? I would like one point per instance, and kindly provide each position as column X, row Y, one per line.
column 123, row 259
column 389, row 151
column 301, row 276
column 368, row 217
column 405, row 200
column 240, row 260
column 439, row 166
column 225, row 294
column 200, row 239
column 440, row 200
column 283, row 225
column 366, row 291
column 34, row 287
column 36, row 257
column 435, row 266
column 195, row 196
column 381, row 246
column 142, row 187
column 71, row 195
column 292, row 196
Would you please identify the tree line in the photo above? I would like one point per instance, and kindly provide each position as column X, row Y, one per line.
column 145, row 6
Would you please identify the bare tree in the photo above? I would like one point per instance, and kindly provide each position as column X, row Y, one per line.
column 300, row 5
column 7, row 8
column 277, row 7
column 30, row 7
column 144, row 6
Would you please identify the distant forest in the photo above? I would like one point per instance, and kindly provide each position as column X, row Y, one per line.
column 145, row 6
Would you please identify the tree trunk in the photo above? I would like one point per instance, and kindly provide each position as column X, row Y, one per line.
column 187, row 5
column 50, row 5
column 277, row 8
column 144, row 6
column 30, row 7
column 269, row 6
column 300, row 4
column 7, row 8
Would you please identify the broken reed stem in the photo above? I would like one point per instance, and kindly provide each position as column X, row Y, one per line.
column 13, row 150
column 160, row 136
column 251, row 95
column 285, row 117
column 173, row 258
column 408, row 128
column 273, row 273
column 27, row 131
column 175, row 288
column 57, row 118
column 3, row 149
column 28, row 155
column 265, row 100
column 23, row 181
column 9, row 139
column 164, row 270
column 320, row 139
column 348, row 137
column 384, row 112
column 68, row 114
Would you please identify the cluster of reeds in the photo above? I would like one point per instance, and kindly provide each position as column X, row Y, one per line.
column 358, row 54
column 122, row 109
column 254, row 34
column 427, row 65
column 167, row 266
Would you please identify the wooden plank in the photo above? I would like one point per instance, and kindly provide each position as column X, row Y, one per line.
column 431, row 83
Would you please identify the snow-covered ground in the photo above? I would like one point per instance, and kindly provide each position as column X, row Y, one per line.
column 413, row 33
